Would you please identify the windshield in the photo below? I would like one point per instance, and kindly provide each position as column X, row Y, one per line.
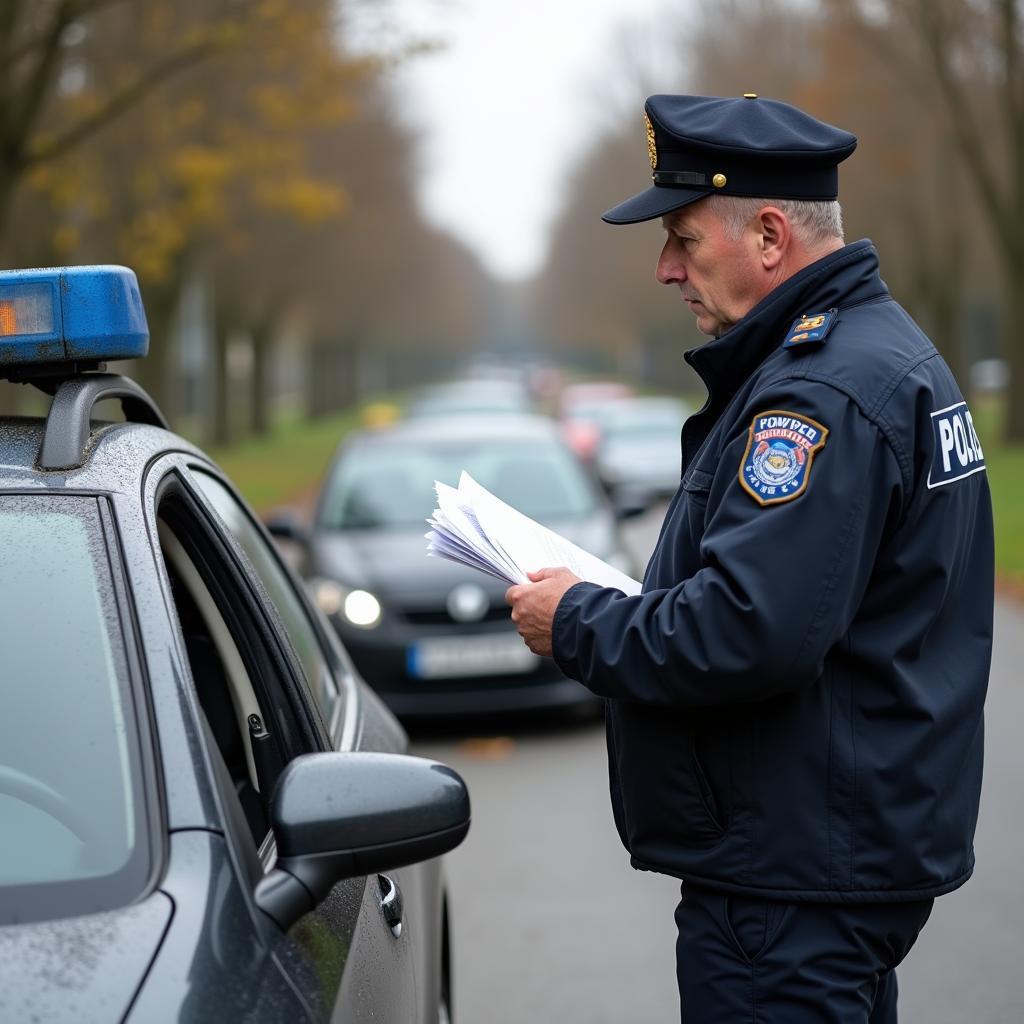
column 381, row 486
column 668, row 428
column 646, row 419
column 68, row 804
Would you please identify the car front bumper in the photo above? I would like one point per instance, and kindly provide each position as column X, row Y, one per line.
column 386, row 658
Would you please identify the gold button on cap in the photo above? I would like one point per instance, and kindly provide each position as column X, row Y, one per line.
column 718, row 180
column 750, row 95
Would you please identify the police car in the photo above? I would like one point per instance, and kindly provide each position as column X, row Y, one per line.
column 205, row 815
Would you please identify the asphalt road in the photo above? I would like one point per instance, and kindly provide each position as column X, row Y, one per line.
column 551, row 924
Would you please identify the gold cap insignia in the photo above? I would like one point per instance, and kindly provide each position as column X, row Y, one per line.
column 652, row 148
column 719, row 180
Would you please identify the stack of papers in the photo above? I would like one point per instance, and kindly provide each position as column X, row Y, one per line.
column 473, row 527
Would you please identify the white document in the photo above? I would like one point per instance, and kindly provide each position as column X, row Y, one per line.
column 473, row 527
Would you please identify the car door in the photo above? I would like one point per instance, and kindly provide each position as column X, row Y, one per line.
column 270, row 690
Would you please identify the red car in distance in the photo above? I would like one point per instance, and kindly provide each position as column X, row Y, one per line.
column 581, row 408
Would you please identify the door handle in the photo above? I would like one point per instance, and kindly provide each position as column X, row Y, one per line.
column 391, row 903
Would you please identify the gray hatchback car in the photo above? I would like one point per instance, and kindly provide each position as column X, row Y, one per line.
column 204, row 813
column 434, row 638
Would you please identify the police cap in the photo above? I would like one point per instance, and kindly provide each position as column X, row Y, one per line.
column 733, row 146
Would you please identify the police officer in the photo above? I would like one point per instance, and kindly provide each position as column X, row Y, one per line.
column 795, row 699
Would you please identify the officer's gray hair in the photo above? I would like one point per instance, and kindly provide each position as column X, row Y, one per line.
column 814, row 221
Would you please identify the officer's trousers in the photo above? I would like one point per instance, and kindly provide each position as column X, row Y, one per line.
column 741, row 960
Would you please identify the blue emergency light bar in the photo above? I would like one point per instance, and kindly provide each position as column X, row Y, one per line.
column 69, row 315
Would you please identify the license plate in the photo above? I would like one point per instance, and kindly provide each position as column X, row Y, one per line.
column 491, row 655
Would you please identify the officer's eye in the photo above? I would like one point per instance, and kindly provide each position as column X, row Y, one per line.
column 681, row 236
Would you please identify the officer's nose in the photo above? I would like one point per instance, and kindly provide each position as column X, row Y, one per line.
column 670, row 269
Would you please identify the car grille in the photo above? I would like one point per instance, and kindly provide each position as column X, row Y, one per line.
column 440, row 616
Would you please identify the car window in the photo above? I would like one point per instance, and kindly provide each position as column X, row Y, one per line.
column 279, row 589
column 648, row 419
column 381, row 485
column 245, row 673
column 70, row 796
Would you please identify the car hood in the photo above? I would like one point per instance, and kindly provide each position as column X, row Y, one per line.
column 80, row 968
column 396, row 562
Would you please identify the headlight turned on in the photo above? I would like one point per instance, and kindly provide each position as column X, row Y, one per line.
column 357, row 607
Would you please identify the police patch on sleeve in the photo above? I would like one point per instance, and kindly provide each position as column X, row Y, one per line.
column 957, row 452
column 780, row 450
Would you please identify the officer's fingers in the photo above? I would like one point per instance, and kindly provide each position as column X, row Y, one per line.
column 512, row 594
column 546, row 574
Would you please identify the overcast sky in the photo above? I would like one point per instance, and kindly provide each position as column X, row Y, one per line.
column 511, row 97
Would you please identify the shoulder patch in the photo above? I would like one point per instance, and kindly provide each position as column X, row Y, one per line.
column 780, row 449
column 957, row 451
column 810, row 329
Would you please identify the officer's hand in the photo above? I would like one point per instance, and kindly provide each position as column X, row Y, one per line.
column 534, row 604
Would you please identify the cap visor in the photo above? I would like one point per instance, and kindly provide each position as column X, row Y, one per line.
column 654, row 202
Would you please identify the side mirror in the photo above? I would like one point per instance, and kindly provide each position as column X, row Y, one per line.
column 286, row 524
column 338, row 816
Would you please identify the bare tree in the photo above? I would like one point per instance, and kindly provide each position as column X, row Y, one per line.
column 965, row 58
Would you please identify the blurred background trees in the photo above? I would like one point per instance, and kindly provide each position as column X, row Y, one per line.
column 251, row 166
column 934, row 89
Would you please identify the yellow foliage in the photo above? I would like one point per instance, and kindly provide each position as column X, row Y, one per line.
column 189, row 113
column 97, row 204
column 271, row 10
column 203, row 158
column 64, row 192
column 276, row 104
column 335, row 108
column 309, row 201
column 147, row 183
column 201, row 167
column 151, row 243
column 41, row 177
column 157, row 20
column 223, row 34
column 66, row 240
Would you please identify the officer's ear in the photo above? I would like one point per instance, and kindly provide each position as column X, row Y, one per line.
column 774, row 236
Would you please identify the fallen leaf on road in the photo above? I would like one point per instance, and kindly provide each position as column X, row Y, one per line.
column 493, row 748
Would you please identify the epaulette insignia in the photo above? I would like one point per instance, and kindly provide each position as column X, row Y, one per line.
column 811, row 328
column 781, row 446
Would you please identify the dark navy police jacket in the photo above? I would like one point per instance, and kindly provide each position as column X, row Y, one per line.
column 795, row 699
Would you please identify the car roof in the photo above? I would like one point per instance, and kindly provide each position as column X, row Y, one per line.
column 590, row 392
column 644, row 406
column 115, row 457
column 438, row 430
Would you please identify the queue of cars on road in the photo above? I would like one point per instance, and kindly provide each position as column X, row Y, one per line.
column 637, row 458
column 434, row 638
column 205, row 814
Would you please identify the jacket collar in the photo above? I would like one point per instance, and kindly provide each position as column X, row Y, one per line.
column 843, row 278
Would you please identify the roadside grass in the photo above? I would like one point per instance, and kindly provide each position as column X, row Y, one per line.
column 1006, row 475
column 289, row 462
column 1005, row 464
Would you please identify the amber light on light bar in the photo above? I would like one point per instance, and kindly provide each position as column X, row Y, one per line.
column 8, row 319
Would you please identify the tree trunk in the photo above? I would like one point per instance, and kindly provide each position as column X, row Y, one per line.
column 259, row 380
column 219, row 428
column 8, row 185
column 9, row 398
column 348, row 371
column 317, row 380
column 157, row 373
column 1013, row 344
